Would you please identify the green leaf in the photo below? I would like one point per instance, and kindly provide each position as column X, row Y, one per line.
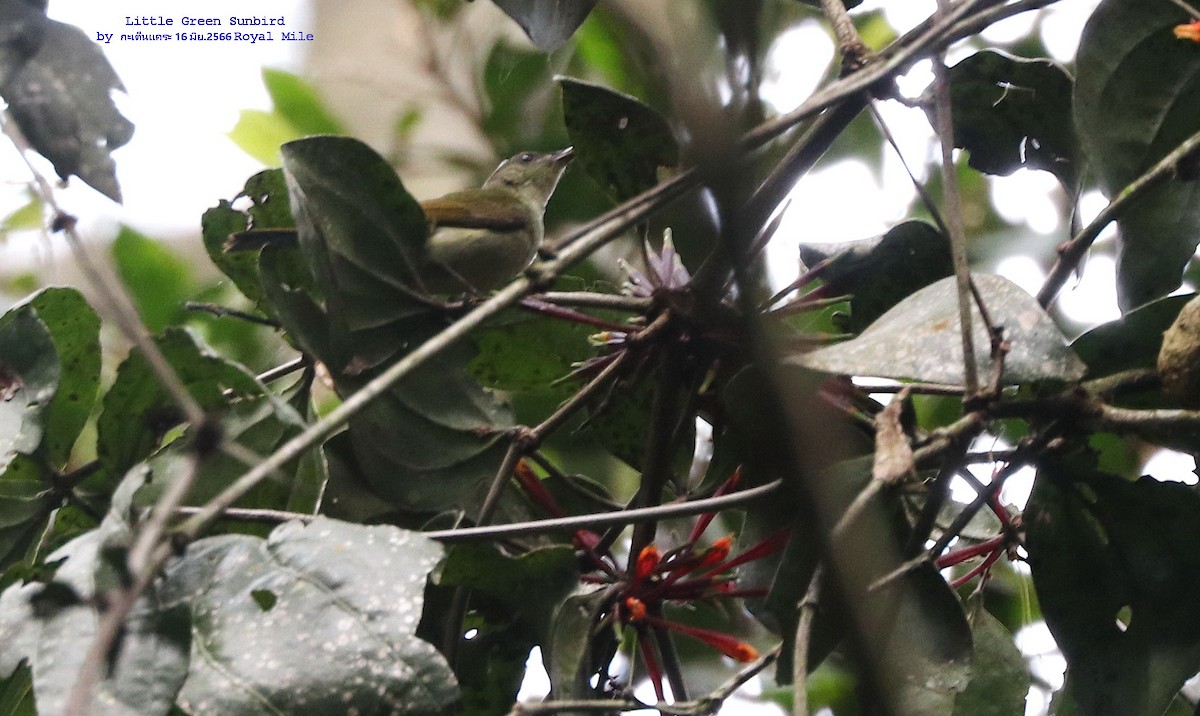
column 513, row 79
column 531, row 355
column 1130, row 342
column 532, row 585
column 25, row 502
column 919, row 338
column 548, row 23
column 363, row 236
column 297, row 102
column 138, row 413
column 433, row 442
column 878, row 273
column 26, row 217
column 620, row 142
column 75, row 329
column 567, row 655
column 1116, row 566
column 1135, row 101
column 340, row 631
column 159, row 281
column 298, row 112
column 260, row 134
column 929, row 646
column 60, row 98
column 999, row 676
column 1012, row 112
column 29, row 378
column 16, row 694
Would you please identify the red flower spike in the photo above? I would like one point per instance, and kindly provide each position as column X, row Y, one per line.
column 1190, row 31
column 724, row 643
column 961, row 555
column 978, row 570
column 635, row 609
column 706, row 519
column 647, row 561
column 537, row 492
column 653, row 669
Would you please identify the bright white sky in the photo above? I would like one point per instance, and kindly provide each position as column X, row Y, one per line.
column 183, row 97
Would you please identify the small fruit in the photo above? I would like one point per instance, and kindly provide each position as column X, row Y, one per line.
column 1179, row 358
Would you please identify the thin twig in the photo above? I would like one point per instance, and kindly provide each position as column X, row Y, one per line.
column 630, row 516
column 953, row 215
column 550, row 310
column 215, row 309
column 533, row 527
column 808, row 609
column 591, row 299
column 926, row 198
column 282, row 370
column 854, row 51
column 1070, row 253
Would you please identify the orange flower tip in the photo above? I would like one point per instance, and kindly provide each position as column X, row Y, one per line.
column 647, row 560
column 1189, row 31
column 635, row 608
column 717, row 552
column 743, row 652
column 523, row 468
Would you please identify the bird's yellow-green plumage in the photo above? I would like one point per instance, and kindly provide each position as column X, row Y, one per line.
column 482, row 238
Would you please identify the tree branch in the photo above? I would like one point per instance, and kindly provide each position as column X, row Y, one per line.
column 1072, row 252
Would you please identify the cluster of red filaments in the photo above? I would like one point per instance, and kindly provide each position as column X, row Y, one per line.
column 687, row 575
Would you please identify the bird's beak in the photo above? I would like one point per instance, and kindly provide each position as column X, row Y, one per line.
column 563, row 156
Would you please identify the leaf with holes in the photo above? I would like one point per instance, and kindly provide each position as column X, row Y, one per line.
column 1011, row 112
column 52, row 625
column 920, row 339
column 60, row 98
column 269, row 209
column 619, row 141
column 1116, row 565
column 315, row 619
column 1135, row 100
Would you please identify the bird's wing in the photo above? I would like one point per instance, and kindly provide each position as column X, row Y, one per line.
column 477, row 209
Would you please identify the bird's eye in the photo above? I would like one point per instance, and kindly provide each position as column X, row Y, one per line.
column 526, row 158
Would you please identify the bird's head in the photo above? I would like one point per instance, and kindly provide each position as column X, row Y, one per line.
column 533, row 175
